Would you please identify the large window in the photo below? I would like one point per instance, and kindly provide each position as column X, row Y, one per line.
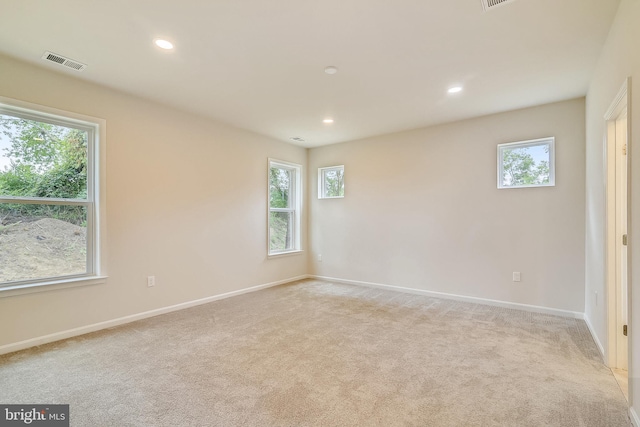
column 284, row 207
column 48, row 211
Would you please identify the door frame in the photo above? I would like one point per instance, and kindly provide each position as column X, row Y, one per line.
column 619, row 106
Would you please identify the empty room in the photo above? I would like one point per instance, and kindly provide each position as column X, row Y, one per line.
column 356, row 213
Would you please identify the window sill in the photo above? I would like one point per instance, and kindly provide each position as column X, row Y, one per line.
column 30, row 288
column 509, row 187
column 282, row 254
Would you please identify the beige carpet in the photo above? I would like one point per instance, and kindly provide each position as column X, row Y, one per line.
column 319, row 354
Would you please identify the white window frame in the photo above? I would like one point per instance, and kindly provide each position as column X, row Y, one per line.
column 322, row 186
column 550, row 141
column 295, row 206
column 94, row 203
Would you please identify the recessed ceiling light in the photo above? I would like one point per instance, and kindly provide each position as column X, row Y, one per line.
column 327, row 121
column 455, row 89
column 163, row 44
column 331, row 69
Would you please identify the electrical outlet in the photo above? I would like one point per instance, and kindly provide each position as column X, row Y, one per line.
column 319, row 257
column 516, row 276
column 151, row 281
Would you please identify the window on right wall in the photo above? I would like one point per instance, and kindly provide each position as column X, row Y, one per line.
column 331, row 182
column 527, row 164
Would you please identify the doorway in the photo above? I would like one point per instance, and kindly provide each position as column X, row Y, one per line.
column 617, row 134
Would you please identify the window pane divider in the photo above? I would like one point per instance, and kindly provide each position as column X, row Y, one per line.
column 282, row 210
column 44, row 201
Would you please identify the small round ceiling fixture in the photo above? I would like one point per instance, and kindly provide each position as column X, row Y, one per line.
column 327, row 121
column 455, row 89
column 163, row 44
column 331, row 69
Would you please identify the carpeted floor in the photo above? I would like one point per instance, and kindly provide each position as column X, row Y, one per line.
column 319, row 354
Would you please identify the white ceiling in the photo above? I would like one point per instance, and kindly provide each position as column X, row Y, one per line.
column 259, row 64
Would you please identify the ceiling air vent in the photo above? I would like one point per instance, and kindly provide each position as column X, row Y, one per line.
column 296, row 139
column 59, row 59
column 490, row 4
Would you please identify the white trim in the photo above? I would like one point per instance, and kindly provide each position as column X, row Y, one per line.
column 634, row 417
column 53, row 285
column 51, row 113
column 619, row 104
column 476, row 300
column 285, row 253
column 616, row 105
column 21, row 345
column 595, row 338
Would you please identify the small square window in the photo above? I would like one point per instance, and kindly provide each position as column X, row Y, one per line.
column 331, row 182
column 526, row 164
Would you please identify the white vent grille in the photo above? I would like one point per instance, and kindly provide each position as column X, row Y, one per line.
column 67, row 62
column 490, row 4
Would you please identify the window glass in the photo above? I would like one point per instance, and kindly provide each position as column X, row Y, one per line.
column 40, row 159
column 526, row 164
column 281, row 231
column 279, row 187
column 331, row 182
column 42, row 241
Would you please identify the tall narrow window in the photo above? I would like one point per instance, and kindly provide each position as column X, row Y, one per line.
column 47, row 198
column 284, row 207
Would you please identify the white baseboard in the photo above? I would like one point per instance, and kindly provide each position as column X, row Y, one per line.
column 496, row 303
column 21, row 345
column 634, row 417
column 595, row 338
column 9, row 348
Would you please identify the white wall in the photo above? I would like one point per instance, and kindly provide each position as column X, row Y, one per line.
column 186, row 202
column 421, row 210
column 620, row 59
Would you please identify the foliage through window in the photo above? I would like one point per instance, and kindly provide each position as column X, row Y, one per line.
column 284, row 207
column 526, row 164
column 331, row 182
column 47, row 209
